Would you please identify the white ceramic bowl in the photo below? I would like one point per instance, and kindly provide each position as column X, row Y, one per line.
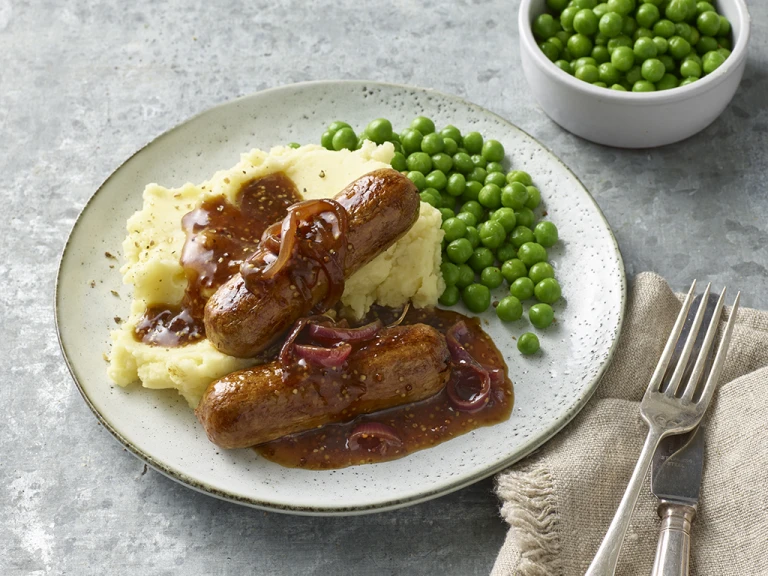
column 627, row 119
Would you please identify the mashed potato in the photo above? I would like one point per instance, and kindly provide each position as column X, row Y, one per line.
column 409, row 270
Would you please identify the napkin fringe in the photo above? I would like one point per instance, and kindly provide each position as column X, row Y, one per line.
column 530, row 508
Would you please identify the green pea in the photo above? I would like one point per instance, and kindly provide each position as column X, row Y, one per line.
column 519, row 176
column 522, row 288
column 466, row 276
column 430, row 199
column 454, row 229
column 447, row 213
column 622, row 7
column 479, row 161
column 451, row 132
column 528, row 343
column 337, row 125
column 473, row 236
column 725, row 27
column 418, row 179
column 462, row 162
column 563, row 36
column 565, row 66
column 491, row 277
column 379, row 130
column 706, row 44
column 548, row 291
column 514, row 195
column 588, row 73
column 411, row 141
column 601, row 40
column 661, row 44
column 686, row 81
column 704, row 7
column 599, row 85
column 344, row 139
column 525, row 217
column 432, row 144
column 420, row 162
column 477, row 175
column 326, row 140
column 600, row 9
column 398, row 162
column 492, row 234
column 480, row 259
column 579, row 62
column 712, row 61
column 724, row 52
column 695, row 37
column 541, row 315
column 684, row 31
column 643, row 86
column 546, row 233
column 520, row 235
column 664, row 28
column 676, row 11
column 450, row 273
column 473, row 142
column 540, row 271
column 551, row 51
column 629, row 26
column 600, row 54
column 608, row 73
column 459, row 251
column 634, row 75
column 467, row 218
column 476, row 297
column 618, row 42
column 505, row 252
column 450, row 296
column 531, row 252
column 610, row 24
column 451, row 147
column 585, row 22
column 557, row 5
column 708, row 23
column 513, row 269
column 509, row 309
column 534, row 197
column 579, row 45
column 544, row 26
column 490, row 196
column 690, row 69
column 442, row 162
column 506, row 217
column 647, row 15
column 667, row 82
column 678, row 47
column 496, row 178
column 456, row 184
column 471, row 191
column 644, row 48
column 669, row 63
column 494, row 167
column 618, row 87
column 493, row 150
column 436, row 179
column 566, row 18
column 653, row 70
column 293, row 145
column 423, row 125
column 623, row 58
column 474, row 208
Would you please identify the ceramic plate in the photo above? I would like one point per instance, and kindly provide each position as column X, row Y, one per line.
column 158, row 427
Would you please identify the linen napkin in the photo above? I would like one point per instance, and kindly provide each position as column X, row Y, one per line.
column 560, row 500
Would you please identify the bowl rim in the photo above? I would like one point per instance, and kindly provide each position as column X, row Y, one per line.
column 709, row 82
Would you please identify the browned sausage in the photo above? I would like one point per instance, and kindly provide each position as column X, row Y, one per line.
column 382, row 206
column 403, row 364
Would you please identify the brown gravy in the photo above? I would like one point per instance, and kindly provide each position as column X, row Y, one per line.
column 220, row 235
column 419, row 425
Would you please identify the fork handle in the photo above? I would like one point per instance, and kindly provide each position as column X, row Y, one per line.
column 674, row 548
column 604, row 562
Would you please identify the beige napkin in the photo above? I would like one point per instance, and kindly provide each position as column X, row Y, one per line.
column 559, row 501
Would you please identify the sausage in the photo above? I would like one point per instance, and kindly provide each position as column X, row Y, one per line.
column 381, row 207
column 403, row 364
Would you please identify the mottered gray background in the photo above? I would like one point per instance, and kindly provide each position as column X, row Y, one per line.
column 85, row 84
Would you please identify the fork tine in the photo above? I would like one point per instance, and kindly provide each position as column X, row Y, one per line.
column 669, row 349
column 682, row 363
column 701, row 361
column 722, row 351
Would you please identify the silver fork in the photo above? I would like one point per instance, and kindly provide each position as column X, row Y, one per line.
column 673, row 410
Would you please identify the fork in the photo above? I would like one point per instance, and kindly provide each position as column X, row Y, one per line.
column 672, row 410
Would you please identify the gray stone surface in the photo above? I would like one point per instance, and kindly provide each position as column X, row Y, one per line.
column 84, row 84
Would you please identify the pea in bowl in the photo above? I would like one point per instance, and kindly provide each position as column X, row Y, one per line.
column 640, row 119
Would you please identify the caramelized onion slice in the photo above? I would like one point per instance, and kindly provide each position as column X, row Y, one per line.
column 328, row 357
column 333, row 334
column 465, row 369
column 402, row 315
column 386, row 435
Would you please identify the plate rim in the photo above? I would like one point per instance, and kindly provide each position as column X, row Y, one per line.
column 392, row 504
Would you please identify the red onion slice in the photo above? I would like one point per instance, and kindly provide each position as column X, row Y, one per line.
column 465, row 368
column 386, row 435
column 334, row 334
column 328, row 357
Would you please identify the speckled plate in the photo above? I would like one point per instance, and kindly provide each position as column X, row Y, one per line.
column 158, row 427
